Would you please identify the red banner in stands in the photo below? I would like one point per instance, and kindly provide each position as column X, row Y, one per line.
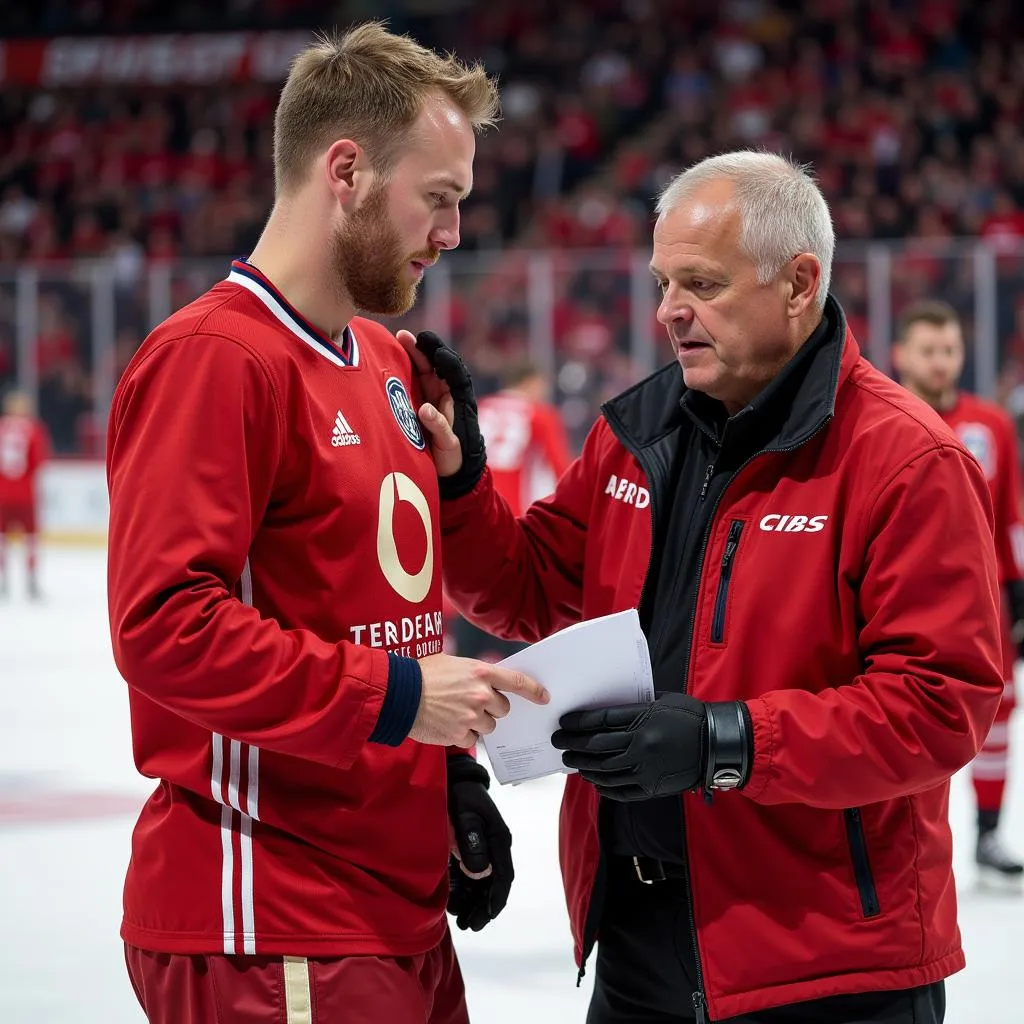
column 150, row 60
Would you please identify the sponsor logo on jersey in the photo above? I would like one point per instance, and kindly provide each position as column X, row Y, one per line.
column 395, row 488
column 793, row 524
column 343, row 434
column 623, row 490
column 978, row 440
column 405, row 414
column 412, row 636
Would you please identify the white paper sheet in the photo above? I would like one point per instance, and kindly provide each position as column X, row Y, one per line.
column 593, row 664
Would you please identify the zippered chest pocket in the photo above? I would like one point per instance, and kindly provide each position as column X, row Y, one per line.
column 732, row 544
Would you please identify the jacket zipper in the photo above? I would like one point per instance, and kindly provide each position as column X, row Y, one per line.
column 708, row 474
column 861, row 865
column 699, row 999
column 646, row 467
column 722, row 595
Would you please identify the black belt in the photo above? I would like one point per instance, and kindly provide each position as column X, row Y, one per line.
column 649, row 870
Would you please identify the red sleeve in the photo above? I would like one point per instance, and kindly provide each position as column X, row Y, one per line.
column 195, row 439
column 520, row 578
column 928, row 604
column 552, row 439
column 1009, row 531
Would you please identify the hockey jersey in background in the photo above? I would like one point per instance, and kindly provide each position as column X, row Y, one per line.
column 273, row 535
column 527, row 448
column 987, row 432
column 24, row 447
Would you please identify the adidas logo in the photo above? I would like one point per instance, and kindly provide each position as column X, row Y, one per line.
column 343, row 434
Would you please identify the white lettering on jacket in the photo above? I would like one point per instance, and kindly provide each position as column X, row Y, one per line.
column 398, row 637
column 630, row 493
column 793, row 524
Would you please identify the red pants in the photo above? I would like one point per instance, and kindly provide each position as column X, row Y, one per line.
column 210, row 989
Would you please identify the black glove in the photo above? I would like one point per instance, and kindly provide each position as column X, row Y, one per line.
column 676, row 743
column 448, row 365
column 483, row 839
column 1015, row 599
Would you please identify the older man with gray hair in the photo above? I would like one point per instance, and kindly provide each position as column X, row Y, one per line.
column 815, row 572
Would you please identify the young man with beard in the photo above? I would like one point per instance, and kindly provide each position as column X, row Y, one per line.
column 929, row 358
column 766, row 842
column 275, row 588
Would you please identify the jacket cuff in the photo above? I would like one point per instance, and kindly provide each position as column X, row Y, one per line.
column 762, row 771
column 401, row 702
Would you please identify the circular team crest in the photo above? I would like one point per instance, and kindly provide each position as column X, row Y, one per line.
column 405, row 414
column 978, row 440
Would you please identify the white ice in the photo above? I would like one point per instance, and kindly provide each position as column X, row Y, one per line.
column 64, row 729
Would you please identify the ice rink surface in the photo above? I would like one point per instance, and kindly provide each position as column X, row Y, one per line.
column 69, row 794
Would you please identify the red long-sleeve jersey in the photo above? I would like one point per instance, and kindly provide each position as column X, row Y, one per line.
column 273, row 560
column 24, row 447
column 527, row 447
column 987, row 432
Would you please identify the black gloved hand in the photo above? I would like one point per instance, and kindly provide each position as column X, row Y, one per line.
column 448, row 365
column 484, row 841
column 640, row 751
column 1015, row 599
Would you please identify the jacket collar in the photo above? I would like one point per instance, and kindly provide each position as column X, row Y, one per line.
column 794, row 406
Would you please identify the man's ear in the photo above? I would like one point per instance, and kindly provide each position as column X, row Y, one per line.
column 804, row 276
column 348, row 171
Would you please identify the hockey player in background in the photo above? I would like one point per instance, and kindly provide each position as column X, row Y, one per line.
column 275, row 588
column 527, row 446
column 929, row 358
column 527, row 450
column 24, row 447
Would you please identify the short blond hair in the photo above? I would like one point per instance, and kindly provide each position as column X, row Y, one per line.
column 368, row 85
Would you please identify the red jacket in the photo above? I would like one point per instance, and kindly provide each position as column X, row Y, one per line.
column 859, row 624
column 273, row 561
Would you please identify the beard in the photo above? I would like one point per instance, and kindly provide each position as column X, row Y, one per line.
column 367, row 255
column 929, row 391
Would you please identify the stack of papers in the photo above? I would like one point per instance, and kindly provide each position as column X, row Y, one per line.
column 593, row 664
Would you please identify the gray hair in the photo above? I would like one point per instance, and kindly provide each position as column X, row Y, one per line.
column 782, row 210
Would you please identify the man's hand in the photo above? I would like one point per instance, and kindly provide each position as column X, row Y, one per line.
column 480, row 871
column 637, row 751
column 461, row 699
column 673, row 744
column 450, row 414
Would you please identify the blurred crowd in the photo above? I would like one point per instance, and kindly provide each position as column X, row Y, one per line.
column 911, row 113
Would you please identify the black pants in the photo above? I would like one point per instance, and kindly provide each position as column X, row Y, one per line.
column 646, row 972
